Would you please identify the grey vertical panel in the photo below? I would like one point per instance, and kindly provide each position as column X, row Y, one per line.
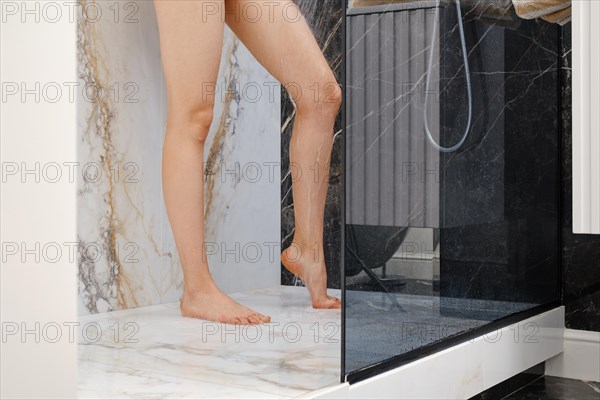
column 388, row 134
column 432, row 167
column 418, row 67
column 355, row 162
column 391, row 166
column 402, row 120
column 373, row 132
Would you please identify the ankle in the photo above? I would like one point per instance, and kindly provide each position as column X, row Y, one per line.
column 191, row 292
column 304, row 251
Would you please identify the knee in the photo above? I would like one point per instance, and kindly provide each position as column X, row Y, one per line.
column 191, row 122
column 323, row 98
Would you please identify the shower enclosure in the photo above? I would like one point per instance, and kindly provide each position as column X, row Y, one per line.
column 451, row 209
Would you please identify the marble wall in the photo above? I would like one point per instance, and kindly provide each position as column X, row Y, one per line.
column 581, row 253
column 127, row 256
column 501, row 191
column 325, row 19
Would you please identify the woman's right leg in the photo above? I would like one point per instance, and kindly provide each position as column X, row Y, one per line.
column 191, row 38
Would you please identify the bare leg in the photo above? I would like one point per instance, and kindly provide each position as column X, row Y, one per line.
column 191, row 41
column 286, row 47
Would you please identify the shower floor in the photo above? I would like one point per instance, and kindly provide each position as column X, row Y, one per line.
column 152, row 352
column 380, row 326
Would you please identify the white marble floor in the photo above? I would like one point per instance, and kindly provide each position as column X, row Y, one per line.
column 152, row 352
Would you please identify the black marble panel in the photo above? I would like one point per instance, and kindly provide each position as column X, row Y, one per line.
column 500, row 192
column 552, row 388
column 581, row 253
column 324, row 18
column 497, row 234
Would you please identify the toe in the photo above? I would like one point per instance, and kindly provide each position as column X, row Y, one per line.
column 263, row 318
column 327, row 303
column 241, row 320
column 334, row 302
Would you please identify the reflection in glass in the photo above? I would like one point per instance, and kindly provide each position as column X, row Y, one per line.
column 438, row 244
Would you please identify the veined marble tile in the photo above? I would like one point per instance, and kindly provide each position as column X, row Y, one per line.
column 127, row 255
column 159, row 354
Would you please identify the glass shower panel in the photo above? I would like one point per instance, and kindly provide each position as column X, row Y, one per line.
column 452, row 175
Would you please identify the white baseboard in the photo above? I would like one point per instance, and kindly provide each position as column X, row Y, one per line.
column 463, row 371
column 580, row 359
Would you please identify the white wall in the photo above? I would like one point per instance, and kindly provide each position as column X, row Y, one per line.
column 586, row 117
column 580, row 359
column 37, row 210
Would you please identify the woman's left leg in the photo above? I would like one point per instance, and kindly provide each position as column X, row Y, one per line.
column 281, row 40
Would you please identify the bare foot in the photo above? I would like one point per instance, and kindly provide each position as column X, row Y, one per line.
column 216, row 306
column 314, row 275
